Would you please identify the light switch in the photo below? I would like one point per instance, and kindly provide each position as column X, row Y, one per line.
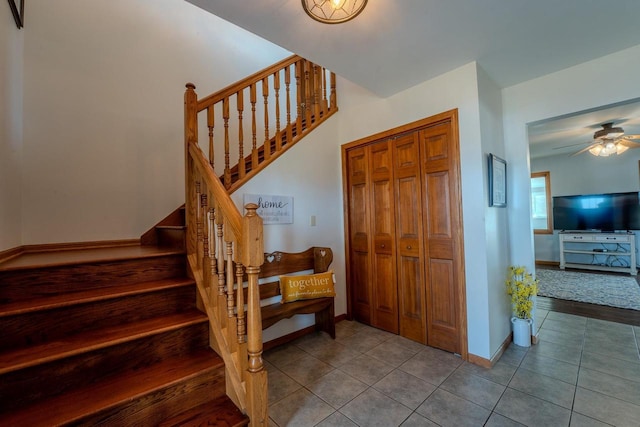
column 312, row 222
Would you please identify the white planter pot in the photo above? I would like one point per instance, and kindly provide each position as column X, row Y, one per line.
column 521, row 332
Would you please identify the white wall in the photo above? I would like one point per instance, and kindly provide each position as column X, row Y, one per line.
column 11, row 61
column 584, row 174
column 363, row 114
column 607, row 80
column 104, row 84
column 310, row 172
column 496, row 258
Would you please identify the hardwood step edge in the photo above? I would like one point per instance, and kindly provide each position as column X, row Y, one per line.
column 108, row 394
column 83, row 343
column 100, row 255
column 89, row 296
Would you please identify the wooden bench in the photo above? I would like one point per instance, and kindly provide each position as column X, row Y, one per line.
column 275, row 264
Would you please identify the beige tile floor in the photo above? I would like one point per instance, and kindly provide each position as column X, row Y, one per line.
column 583, row 372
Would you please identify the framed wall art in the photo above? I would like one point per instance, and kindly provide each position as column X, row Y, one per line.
column 272, row 209
column 497, row 181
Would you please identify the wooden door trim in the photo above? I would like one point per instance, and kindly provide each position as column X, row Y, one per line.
column 406, row 128
column 452, row 116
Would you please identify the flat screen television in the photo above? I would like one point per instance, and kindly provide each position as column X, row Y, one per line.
column 597, row 212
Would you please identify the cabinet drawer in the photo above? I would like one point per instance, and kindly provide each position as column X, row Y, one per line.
column 577, row 237
column 622, row 238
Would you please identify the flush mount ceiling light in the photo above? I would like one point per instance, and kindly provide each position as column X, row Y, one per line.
column 333, row 11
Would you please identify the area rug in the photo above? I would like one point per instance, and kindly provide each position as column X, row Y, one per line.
column 602, row 289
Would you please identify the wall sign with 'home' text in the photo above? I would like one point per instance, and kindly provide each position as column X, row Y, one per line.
column 272, row 209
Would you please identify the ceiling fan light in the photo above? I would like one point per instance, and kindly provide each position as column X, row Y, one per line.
column 596, row 150
column 621, row 148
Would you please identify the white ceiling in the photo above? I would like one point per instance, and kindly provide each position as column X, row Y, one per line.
column 395, row 44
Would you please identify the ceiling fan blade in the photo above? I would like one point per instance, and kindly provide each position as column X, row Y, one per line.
column 572, row 145
column 628, row 143
column 631, row 136
column 587, row 148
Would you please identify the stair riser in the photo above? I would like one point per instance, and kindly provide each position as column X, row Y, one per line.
column 151, row 409
column 48, row 325
column 22, row 285
column 171, row 238
column 50, row 379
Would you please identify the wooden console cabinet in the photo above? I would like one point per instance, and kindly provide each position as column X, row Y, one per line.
column 607, row 251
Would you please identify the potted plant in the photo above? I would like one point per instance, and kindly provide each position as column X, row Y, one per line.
column 522, row 288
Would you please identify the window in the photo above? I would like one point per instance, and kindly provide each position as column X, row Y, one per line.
column 541, row 202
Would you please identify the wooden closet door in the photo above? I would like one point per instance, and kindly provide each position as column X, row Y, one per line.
column 443, row 230
column 409, row 238
column 359, row 225
column 383, row 271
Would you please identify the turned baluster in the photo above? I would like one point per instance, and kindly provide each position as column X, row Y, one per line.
column 287, row 83
column 210, row 121
column 221, row 278
column 243, row 359
column 254, row 137
column 232, row 325
column 299, row 97
column 242, row 326
column 265, row 95
column 325, row 104
column 333, row 98
column 225, row 117
column 198, row 225
column 276, row 90
column 316, row 92
column 230, row 281
column 206, row 262
column 241, row 163
column 307, row 94
column 213, row 261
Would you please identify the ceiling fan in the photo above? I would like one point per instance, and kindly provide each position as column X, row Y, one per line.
column 609, row 141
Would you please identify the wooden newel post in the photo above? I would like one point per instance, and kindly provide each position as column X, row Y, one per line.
column 253, row 258
column 190, row 135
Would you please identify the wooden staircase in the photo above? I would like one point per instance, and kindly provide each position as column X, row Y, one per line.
column 122, row 335
column 107, row 336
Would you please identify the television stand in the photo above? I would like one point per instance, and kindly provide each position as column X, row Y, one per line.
column 604, row 250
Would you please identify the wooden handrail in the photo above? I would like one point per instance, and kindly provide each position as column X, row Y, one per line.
column 233, row 216
column 224, row 247
column 246, row 82
column 280, row 116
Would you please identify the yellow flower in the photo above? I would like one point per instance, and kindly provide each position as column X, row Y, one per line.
column 522, row 287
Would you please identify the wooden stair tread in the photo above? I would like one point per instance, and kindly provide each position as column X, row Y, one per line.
column 93, row 340
column 222, row 412
column 82, row 256
column 90, row 295
column 108, row 394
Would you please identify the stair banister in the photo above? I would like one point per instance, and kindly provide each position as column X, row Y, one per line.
column 217, row 236
column 224, row 249
column 273, row 131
